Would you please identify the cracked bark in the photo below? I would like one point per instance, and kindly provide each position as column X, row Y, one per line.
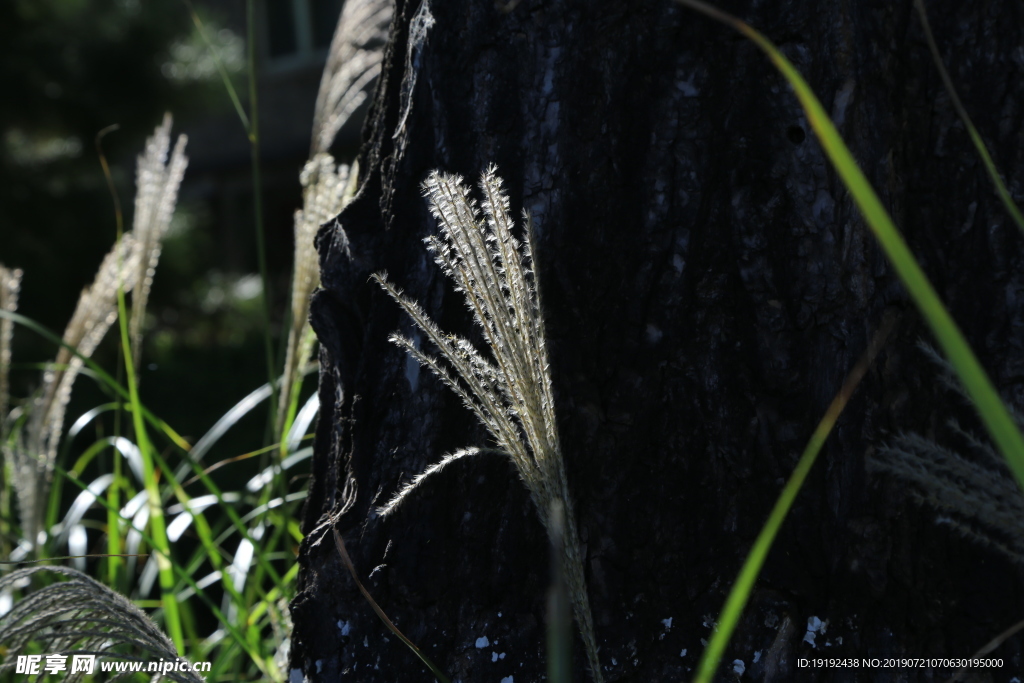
column 707, row 284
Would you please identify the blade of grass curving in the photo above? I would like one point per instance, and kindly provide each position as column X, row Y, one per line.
column 226, row 508
column 221, row 69
column 339, row 543
column 172, row 616
column 257, row 205
column 186, row 577
column 98, row 373
column 56, row 491
column 987, row 648
column 991, row 409
column 238, row 458
column 115, row 567
column 211, row 549
column 62, row 558
column 744, row 584
column 272, row 596
column 297, row 430
column 223, row 424
column 979, row 144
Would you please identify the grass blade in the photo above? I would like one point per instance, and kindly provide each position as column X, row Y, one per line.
column 990, row 407
column 986, row 158
column 744, row 584
column 339, row 543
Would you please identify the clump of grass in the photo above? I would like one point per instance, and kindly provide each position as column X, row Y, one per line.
column 326, row 189
column 81, row 616
column 353, row 62
column 973, row 494
column 35, row 452
column 976, row 385
column 511, row 392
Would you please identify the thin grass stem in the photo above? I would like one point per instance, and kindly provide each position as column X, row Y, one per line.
column 979, row 144
column 744, row 584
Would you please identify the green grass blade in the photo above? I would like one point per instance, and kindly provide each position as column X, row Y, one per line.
column 744, row 585
column 185, row 577
column 99, row 374
column 990, row 407
column 986, row 158
column 224, row 76
column 172, row 617
column 257, row 205
column 339, row 543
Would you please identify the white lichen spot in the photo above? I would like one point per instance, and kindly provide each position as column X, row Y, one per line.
column 366, row 642
column 839, row 640
column 494, row 656
column 757, row 657
column 319, row 665
column 814, row 627
column 615, row 662
column 667, row 623
column 344, row 627
column 501, row 656
column 499, row 615
column 682, row 653
column 738, row 666
column 295, row 676
column 507, row 679
column 482, row 642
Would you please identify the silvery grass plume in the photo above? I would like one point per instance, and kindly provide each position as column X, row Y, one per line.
column 352, row 64
column 96, row 311
column 977, row 496
column 81, row 616
column 129, row 265
column 326, row 190
column 10, row 285
column 156, row 194
column 510, row 392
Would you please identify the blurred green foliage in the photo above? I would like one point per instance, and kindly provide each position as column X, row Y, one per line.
column 71, row 68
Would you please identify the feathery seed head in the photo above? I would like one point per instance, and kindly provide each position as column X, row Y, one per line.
column 509, row 390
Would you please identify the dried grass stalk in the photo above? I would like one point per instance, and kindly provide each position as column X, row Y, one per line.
column 973, row 492
column 10, row 285
column 510, row 392
column 326, row 190
column 156, row 194
column 352, row 64
column 81, row 616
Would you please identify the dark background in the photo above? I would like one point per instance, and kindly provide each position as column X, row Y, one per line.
column 70, row 69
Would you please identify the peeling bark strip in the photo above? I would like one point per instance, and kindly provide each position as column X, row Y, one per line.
column 707, row 281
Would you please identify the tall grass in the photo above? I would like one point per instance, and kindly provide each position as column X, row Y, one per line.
column 220, row 555
column 993, row 413
column 510, row 392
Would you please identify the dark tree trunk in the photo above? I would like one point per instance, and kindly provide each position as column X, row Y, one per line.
column 708, row 284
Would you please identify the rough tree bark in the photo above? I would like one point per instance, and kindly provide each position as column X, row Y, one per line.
column 707, row 284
